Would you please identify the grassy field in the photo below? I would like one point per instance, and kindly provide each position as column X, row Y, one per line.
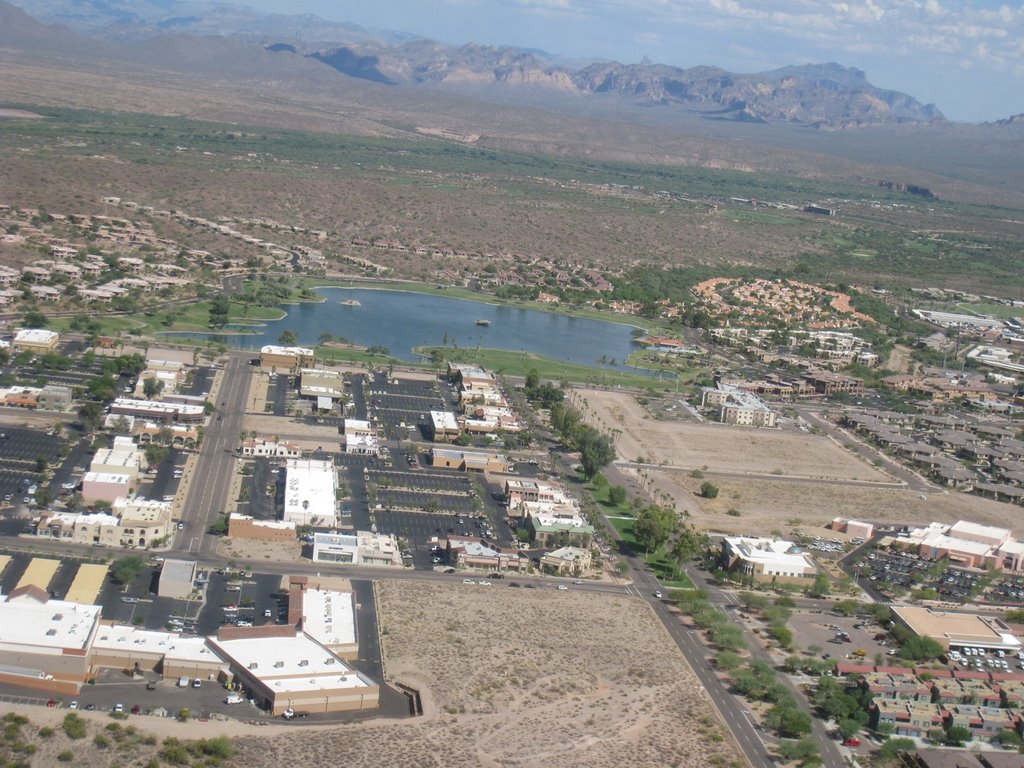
column 1001, row 311
column 511, row 363
column 666, row 570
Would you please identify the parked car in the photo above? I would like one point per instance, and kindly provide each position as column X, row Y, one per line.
column 853, row 741
column 234, row 698
column 119, row 708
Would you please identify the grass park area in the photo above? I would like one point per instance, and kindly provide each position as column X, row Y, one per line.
column 661, row 566
column 510, row 363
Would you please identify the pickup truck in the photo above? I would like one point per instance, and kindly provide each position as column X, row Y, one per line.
column 234, row 698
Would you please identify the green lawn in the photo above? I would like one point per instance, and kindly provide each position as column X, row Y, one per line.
column 511, row 363
column 663, row 568
column 1001, row 311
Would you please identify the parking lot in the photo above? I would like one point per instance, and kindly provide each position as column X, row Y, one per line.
column 821, row 629
column 407, row 403
column 893, row 573
column 19, row 451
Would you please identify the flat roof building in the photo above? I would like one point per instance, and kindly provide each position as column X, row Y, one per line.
column 177, row 579
column 767, row 560
column 163, row 411
column 285, row 358
column 361, row 548
column 248, row 527
column 469, row 461
column 105, row 486
column 45, row 643
column 286, row 669
column 444, row 426
column 958, row 630
column 310, row 496
column 328, row 616
column 38, row 340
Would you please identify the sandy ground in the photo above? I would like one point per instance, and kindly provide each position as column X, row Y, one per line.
column 504, row 685
column 247, row 549
column 765, row 505
column 717, row 446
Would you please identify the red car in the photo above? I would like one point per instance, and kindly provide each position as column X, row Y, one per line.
column 853, row 741
column 51, row 703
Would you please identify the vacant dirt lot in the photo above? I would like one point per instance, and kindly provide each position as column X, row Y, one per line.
column 719, row 447
column 765, row 504
column 504, row 685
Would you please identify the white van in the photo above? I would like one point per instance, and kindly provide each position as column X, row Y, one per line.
column 183, row 681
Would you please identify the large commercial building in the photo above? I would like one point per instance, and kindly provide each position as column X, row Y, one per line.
column 310, row 496
column 767, row 560
column 287, row 669
column 958, row 630
column 967, row 544
column 56, row 646
column 443, row 426
column 46, row 643
column 739, row 407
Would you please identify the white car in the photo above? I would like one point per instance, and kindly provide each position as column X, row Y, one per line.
column 484, row 583
column 562, row 586
column 234, row 698
column 468, row 581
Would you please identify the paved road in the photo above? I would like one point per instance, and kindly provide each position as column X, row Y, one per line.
column 215, row 469
column 910, row 480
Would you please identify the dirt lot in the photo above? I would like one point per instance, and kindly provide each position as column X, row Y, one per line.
column 520, row 696
column 766, row 504
column 720, row 447
column 247, row 549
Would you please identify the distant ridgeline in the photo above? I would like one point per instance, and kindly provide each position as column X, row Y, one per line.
column 912, row 189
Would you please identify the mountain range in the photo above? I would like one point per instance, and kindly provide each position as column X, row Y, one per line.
column 824, row 96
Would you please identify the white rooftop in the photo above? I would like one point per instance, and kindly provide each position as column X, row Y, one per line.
column 106, row 477
column 155, row 407
column 120, row 636
column 50, row 626
column 310, row 491
column 329, row 616
column 35, row 336
column 966, row 528
column 770, row 551
column 273, row 349
column 290, row 663
column 277, row 524
column 443, row 420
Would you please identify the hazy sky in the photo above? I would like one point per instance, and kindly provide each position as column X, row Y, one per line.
column 965, row 57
